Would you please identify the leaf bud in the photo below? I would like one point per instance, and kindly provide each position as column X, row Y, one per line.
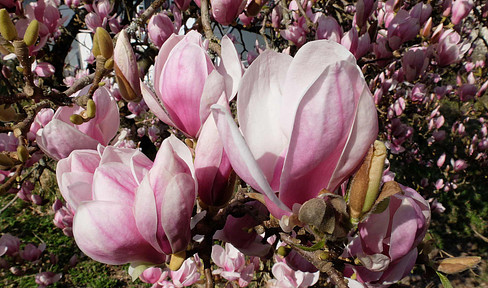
column 109, row 64
column 96, row 47
column 5, row 162
column 76, row 119
column 7, row 27
column 105, row 43
column 91, row 109
column 283, row 251
column 22, row 153
column 31, row 33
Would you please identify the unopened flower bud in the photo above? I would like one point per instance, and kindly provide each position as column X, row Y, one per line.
column 109, row 64
column 7, row 113
column 31, row 33
column 91, row 109
column 76, row 119
column 375, row 174
column 5, row 162
column 283, row 251
column 22, row 153
column 96, row 47
column 365, row 183
column 7, row 27
column 177, row 260
column 105, row 43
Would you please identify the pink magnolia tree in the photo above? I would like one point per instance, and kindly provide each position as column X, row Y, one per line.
column 200, row 156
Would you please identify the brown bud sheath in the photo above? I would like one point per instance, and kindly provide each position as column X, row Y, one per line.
column 254, row 7
column 359, row 187
column 458, row 264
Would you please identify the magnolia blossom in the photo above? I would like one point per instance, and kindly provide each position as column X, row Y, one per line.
column 232, row 264
column 9, row 244
column 449, row 50
column 302, row 130
column 387, row 242
column 124, row 204
column 402, row 28
column 186, row 84
column 460, row 9
column 289, row 278
column 226, row 11
column 240, row 233
column 59, row 137
column 187, row 275
column 160, row 28
column 328, row 28
column 125, row 66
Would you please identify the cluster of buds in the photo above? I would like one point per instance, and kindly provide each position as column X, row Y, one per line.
column 85, row 115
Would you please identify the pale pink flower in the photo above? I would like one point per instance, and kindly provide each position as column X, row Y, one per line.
column 159, row 28
column 386, row 244
column 185, row 85
column 232, row 264
column 187, row 275
column 279, row 98
column 460, row 9
column 44, row 279
column 60, row 137
column 285, row 277
column 121, row 192
column 226, row 11
column 9, row 244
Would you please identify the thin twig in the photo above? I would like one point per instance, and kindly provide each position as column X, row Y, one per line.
column 208, row 278
column 9, row 204
column 7, row 184
column 207, row 28
column 80, row 84
column 142, row 19
column 304, row 14
column 314, row 257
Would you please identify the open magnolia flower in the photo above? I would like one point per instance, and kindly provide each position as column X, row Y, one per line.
column 187, row 83
column 305, row 123
column 386, row 244
column 127, row 208
column 60, row 137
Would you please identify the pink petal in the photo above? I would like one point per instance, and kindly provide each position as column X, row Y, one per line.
column 258, row 110
column 240, row 156
column 327, row 112
column 59, row 139
column 154, row 104
column 403, row 230
column 107, row 233
column 231, row 67
column 179, row 195
column 114, row 182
